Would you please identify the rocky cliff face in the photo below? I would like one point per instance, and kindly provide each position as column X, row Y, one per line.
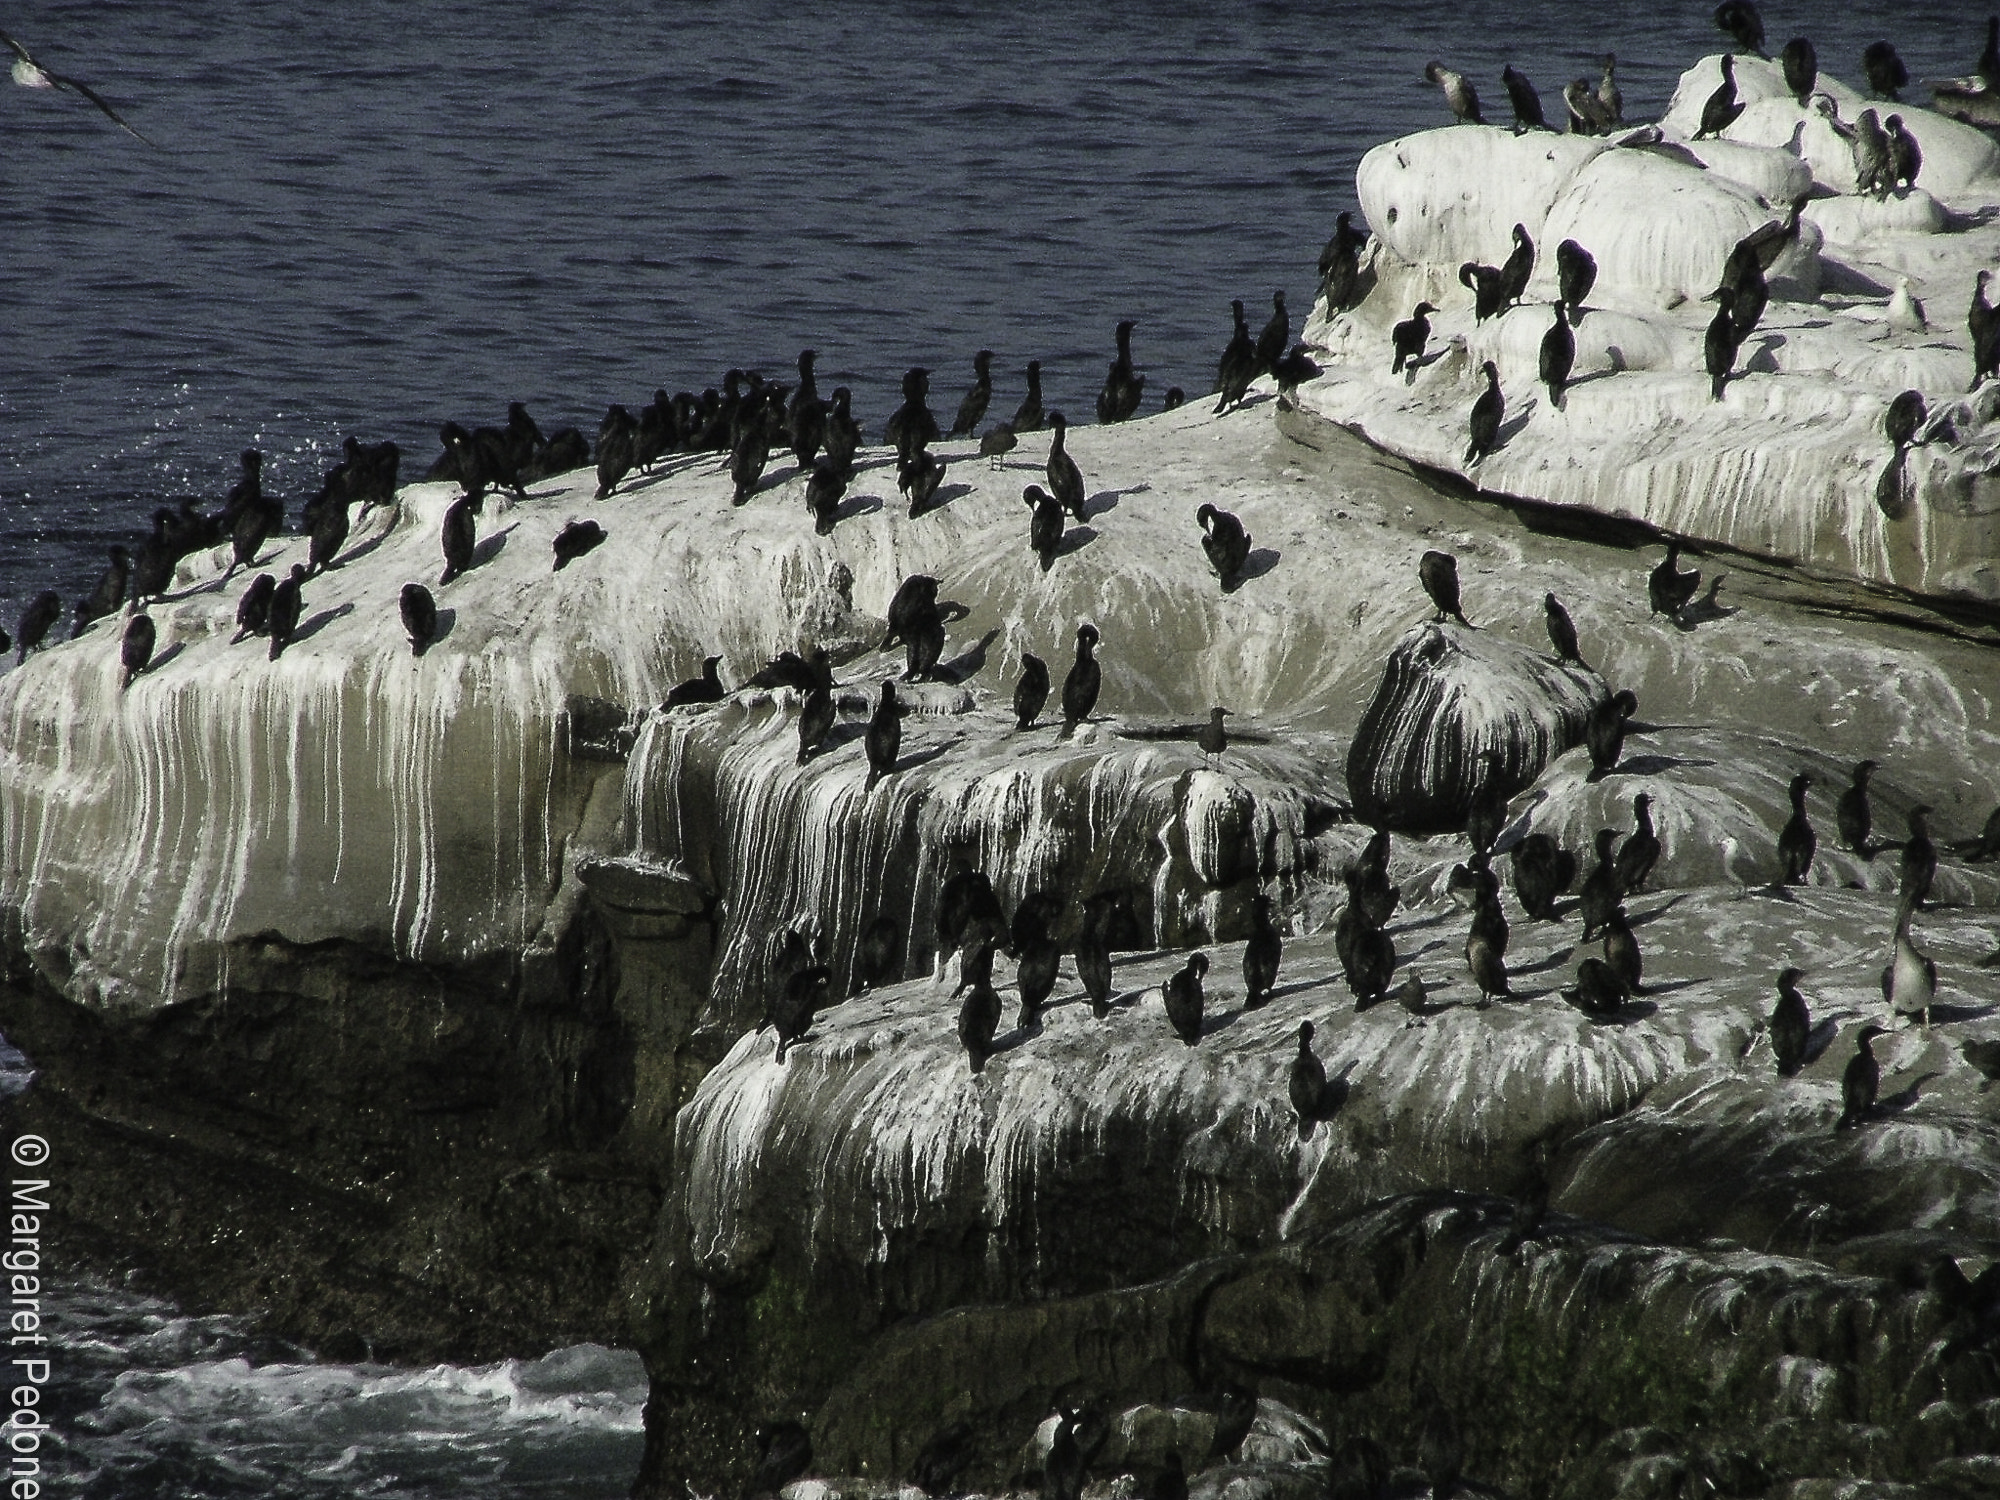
column 1790, row 462
column 457, row 1035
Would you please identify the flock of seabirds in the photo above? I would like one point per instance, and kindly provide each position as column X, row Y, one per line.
column 749, row 419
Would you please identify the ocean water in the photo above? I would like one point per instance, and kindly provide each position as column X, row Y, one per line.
column 370, row 218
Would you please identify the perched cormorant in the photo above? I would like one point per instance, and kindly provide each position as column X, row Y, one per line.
column 1800, row 64
column 1237, row 367
column 1621, row 951
column 1378, row 898
column 1488, row 968
column 915, row 597
column 923, row 643
column 1608, row 94
column 823, row 492
column 1093, row 953
column 35, row 623
column 1340, row 265
column 979, row 1012
column 575, row 539
column 816, row 715
column 1562, row 629
column 1291, row 371
column 875, row 953
column 805, row 994
column 1796, row 840
column 749, row 452
column 1641, row 849
column 1863, row 1078
column 1874, row 168
column 1079, row 694
column 885, row 736
column 706, row 688
column 253, row 610
column 1543, row 870
column 135, row 650
column 420, row 615
column 1225, row 542
column 1486, row 414
column 617, row 440
column 998, row 442
column 287, row 604
column 1262, row 952
column 973, row 407
column 1065, row 478
column 1409, row 338
column 789, row 669
column 1182, row 993
column 1032, row 691
column 1045, row 528
column 1906, row 157
column 1722, row 108
column 1982, row 321
column 1576, row 274
column 1214, row 738
column 1438, row 573
column 805, row 414
column 1909, row 983
column 1487, row 816
column 1040, row 959
column 1719, row 343
column 1601, row 894
column 1123, row 388
column 1918, row 865
column 1558, row 356
column 1587, row 114
column 1739, row 19
column 1527, row 103
column 918, row 477
column 1307, row 1084
column 1517, row 268
column 1458, row 92
column 1276, row 336
column 1885, row 70
column 459, row 536
column 1791, row 1024
column 1668, row 589
column 1486, row 285
column 1905, row 415
column 1028, row 415
column 841, row 434
column 1599, row 991
column 911, row 426
column 1064, row 1466
column 107, row 596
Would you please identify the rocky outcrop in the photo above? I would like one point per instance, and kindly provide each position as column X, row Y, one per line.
column 1789, row 461
column 1447, row 699
column 1091, row 1155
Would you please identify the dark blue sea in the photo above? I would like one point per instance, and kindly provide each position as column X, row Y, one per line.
column 372, row 217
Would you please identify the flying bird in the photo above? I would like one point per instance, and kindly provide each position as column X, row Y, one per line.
column 32, row 75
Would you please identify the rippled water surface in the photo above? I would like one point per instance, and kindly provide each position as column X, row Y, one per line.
column 373, row 217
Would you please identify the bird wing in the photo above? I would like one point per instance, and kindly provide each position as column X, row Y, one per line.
column 18, row 50
column 95, row 98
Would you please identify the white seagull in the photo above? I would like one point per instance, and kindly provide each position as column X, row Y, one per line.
column 32, row 75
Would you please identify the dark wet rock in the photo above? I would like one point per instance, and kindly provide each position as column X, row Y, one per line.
column 1448, row 695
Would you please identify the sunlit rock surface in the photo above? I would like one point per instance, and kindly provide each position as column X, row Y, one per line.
column 1789, row 462
column 530, row 862
column 1449, row 698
